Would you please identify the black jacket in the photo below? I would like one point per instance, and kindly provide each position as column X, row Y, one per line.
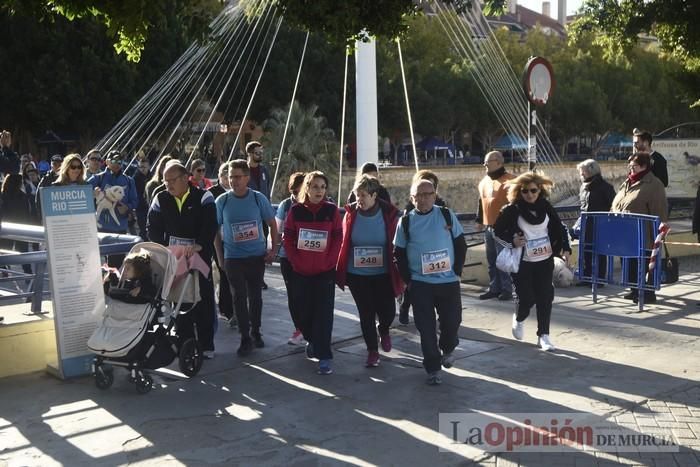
column 196, row 220
column 659, row 167
column 507, row 226
column 596, row 195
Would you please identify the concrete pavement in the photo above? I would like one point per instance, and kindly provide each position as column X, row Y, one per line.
column 637, row 370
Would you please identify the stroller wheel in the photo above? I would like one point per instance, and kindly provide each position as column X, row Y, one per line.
column 190, row 358
column 144, row 383
column 104, row 377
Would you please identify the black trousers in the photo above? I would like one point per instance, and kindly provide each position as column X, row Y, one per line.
column 533, row 286
column 245, row 276
column 374, row 298
column 447, row 301
column 202, row 315
column 315, row 296
column 287, row 275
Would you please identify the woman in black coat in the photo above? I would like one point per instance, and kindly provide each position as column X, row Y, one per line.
column 531, row 223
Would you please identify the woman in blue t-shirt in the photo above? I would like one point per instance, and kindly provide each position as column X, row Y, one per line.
column 295, row 182
column 366, row 264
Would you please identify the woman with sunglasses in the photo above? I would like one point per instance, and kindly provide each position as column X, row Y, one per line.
column 531, row 223
column 72, row 171
column 198, row 170
column 312, row 237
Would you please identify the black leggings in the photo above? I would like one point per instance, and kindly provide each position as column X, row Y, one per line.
column 533, row 286
column 374, row 298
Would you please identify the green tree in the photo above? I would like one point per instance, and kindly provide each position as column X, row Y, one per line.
column 618, row 26
column 309, row 145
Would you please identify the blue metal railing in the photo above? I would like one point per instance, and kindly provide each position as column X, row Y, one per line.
column 109, row 244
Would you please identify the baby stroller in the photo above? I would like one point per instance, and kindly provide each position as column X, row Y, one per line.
column 142, row 337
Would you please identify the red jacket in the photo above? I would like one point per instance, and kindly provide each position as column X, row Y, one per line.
column 391, row 220
column 322, row 218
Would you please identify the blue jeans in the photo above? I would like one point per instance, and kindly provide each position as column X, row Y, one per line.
column 499, row 281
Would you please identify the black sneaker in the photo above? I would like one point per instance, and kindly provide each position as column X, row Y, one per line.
column 246, row 347
column 631, row 296
column 258, row 340
column 264, row 285
column 310, row 350
column 488, row 295
column 648, row 299
column 505, row 296
column 434, row 379
column 403, row 317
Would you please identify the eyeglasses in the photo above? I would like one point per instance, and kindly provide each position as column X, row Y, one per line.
column 173, row 180
column 424, row 195
column 531, row 190
column 75, row 167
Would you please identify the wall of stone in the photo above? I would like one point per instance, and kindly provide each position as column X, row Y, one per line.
column 458, row 184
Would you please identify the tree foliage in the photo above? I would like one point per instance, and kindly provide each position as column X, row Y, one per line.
column 618, row 26
column 127, row 22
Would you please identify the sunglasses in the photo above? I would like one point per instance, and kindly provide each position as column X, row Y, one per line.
column 76, row 167
column 531, row 190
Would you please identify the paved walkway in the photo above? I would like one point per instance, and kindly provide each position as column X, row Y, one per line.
column 638, row 370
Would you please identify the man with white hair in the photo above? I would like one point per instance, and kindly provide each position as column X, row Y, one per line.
column 493, row 195
column 429, row 248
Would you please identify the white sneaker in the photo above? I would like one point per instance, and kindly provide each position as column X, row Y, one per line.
column 296, row 339
column 545, row 344
column 518, row 328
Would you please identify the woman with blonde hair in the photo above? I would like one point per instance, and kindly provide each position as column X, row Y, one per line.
column 531, row 223
column 72, row 171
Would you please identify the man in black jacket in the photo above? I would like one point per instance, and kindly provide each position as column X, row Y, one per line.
column 596, row 195
column 642, row 143
column 184, row 215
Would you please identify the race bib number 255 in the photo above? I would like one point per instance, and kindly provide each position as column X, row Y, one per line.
column 312, row 240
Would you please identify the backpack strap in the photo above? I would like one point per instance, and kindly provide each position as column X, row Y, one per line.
column 405, row 223
column 448, row 218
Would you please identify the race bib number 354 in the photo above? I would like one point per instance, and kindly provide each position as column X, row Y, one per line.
column 436, row 262
column 245, row 231
column 312, row 240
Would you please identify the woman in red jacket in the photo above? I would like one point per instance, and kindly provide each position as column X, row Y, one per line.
column 312, row 237
column 366, row 264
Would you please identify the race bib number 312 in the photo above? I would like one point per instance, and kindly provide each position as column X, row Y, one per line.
column 312, row 240
column 436, row 262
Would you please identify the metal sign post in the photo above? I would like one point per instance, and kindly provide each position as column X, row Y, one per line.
column 538, row 84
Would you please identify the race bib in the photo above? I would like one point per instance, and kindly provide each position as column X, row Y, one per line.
column 436, row 262
column 538, row 248
column 179, row 241
column 312, row 240
column 368, row 257
column 245, row 231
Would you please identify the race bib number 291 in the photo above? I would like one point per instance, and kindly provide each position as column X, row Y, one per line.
column 312, row 240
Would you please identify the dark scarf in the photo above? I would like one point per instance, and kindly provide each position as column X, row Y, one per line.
column 635, row 177
column 534, row 213
column 496, row 174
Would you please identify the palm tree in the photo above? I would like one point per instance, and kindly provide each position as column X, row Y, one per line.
column 310, row 145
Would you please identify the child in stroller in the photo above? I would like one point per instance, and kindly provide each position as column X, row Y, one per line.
column 139, row 329
column 136, row 284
